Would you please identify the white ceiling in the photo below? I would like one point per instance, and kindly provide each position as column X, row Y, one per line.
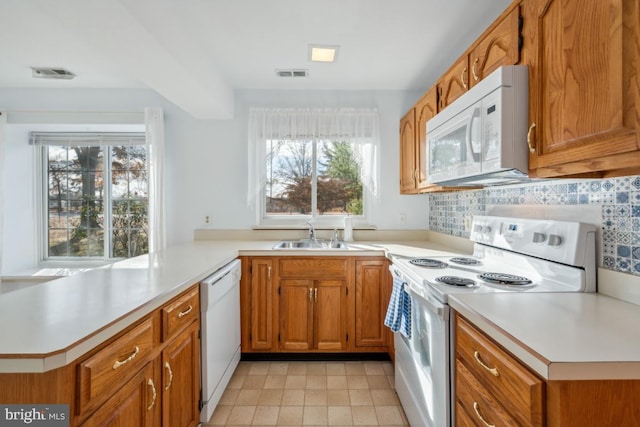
column 196, row 52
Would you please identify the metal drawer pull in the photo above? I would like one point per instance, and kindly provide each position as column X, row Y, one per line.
column 494, row 371
column 118, row 363
column 153, row 390
column 184, row 313
column 473, row 70
column 464, row 84
column 315, row 295
column 310, row 294
column 532, row 149
column 168, row 366
column 475, row 408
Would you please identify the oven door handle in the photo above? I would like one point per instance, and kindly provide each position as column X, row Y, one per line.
column 435, row 308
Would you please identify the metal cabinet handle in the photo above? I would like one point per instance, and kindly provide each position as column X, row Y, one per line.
column 269, row 273
column 315, row 295
column 310, row 294
column 187, row 311
column 532, row 149
column 119, row 363
column 476, row 77
column 493, row 371
column 464, row 84
column 477, row 411
column 153, row 390
column 168, row 367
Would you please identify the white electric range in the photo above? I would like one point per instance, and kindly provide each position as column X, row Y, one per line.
column 510, row 255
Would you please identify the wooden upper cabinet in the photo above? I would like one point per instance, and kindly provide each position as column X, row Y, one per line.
column 454, row 83
column 499, row 45
column 426, row 109
column 408, row 153
column 583, row 58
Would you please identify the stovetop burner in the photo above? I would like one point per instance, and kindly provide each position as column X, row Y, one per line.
column 456, row 281
column 465, row 261
column 428, row 263
column 505, row 279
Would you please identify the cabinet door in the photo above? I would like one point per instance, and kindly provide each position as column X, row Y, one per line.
column 372, row 278
column 584, row 86
column 296, row 314
column 453, row 83
column 407, row 153
column 181, row 380
column 137, row 403
column 426, row 109
column 330, row 315
column 261, row 300
column 500, row 46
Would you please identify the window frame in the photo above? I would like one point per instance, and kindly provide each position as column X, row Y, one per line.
column 42, row 201
column 300, row 221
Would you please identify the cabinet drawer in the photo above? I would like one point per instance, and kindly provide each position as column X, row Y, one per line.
column 313, row 267
column 179, row 313
column 517, row 389
column 104, row 372
column 476, row 406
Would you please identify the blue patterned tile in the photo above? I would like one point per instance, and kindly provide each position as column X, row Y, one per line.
column 636, row 268
column 609, row 249
column 623, row 251
column 595, row 186
column 623, row 211
column 583, row 199
column 622, row 197
column 635, row 182
column 609, row 262
column 635, row 252
column 607, row 185
column 572, row 188
column 623, row 264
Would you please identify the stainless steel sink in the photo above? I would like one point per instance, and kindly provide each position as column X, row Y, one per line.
column 310, row 244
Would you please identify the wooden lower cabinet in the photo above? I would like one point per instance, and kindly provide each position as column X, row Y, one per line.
column 317, row 304
column 492, row 387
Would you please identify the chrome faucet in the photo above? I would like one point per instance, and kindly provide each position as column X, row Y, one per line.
column 312, row 231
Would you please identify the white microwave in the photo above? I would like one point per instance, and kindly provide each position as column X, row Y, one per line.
column 481, row 138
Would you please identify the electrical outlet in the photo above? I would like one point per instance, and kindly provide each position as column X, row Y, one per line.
column 468, row 219
column 207, row 219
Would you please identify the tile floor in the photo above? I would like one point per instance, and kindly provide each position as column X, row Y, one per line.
column 310, row 394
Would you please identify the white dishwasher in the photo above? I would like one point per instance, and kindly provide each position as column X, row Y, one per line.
column 220, row 341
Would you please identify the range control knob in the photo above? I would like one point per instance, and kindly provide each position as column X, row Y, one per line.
column 477, row 228
column 539, row 237
column 486, row 229
column 554, row 240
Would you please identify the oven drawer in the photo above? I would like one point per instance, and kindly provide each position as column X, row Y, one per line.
column 508, row 381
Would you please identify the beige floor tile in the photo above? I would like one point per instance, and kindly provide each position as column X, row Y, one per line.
column 388, row 368
column 384, row 397
column 360, row 397
column 255, row 382
column 236, row 381
column 275, row 381
column 336, row 382
column 364, row 416
column 259, row 368
column 296, row 382
column 229, row 396
column 338, row 398
column 248, row 397
column 290, row 415
column 266, row 415
column 376, row 382
column 336, row 368
column 278, row 368
column 297, row 368
column 315, row 397
column 315, row 416
column 354, row 368
column 373, row 368
column 317, row 382
column 357, row 382
column 243, row 368
column 241, row 415
column 339, row 416
column 220, row 415
column 317, row 368
column 293, row 397
column 389, row 415
column 391, row 379
column 270, row 397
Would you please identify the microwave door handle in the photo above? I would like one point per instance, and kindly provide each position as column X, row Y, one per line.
column 476, row 156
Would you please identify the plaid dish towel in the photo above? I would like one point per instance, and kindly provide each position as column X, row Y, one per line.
column 398, row 317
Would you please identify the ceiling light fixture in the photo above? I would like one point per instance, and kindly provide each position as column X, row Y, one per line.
column 323, row 53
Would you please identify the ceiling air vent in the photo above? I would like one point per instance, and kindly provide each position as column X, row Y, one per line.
column 292, row 73
column 51, row 73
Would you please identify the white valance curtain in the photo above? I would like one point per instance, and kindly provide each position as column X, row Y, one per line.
column 154, row 134
column 358, row 126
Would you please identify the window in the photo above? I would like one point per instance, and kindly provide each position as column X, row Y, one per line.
column 94, row 195
column 317, row 164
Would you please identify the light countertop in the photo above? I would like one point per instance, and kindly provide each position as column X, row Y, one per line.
column 51, row 324
column 561, row 336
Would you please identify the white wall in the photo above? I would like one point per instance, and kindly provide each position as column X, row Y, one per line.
column 206, row 171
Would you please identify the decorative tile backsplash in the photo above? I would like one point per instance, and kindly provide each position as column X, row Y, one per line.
column 618, row 199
